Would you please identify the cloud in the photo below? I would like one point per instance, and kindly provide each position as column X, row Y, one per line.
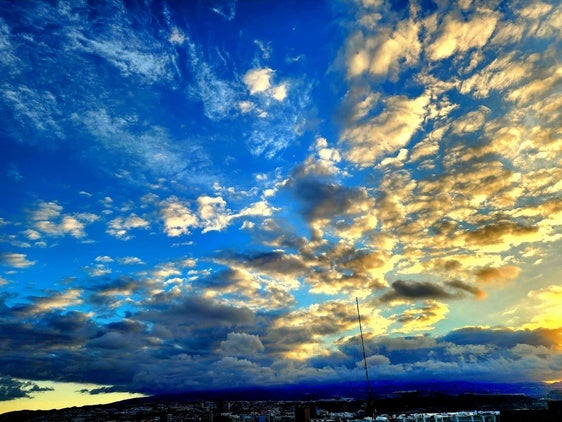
column 538, row 311
column 59, row 300
column 137, row 147
column 132, row 52
column 500, row 337
column 119, row 227
column 11, row 388
column 16, row 260
column 279, row 92
column 458, row 36
column 547, row 313
column 193, row 312
column 441, row 181
column 344, row 269
column 241, row 344
column 385, row 53
column 520, row 355
column 502, row 73
column 410, row 290
column 497, row 275
column 109, row 295
column 387, row 132
column 226, row 9
column 213, row 213
column 37, row 109
column 259, row 281
column 303, row 333
column 130, row 260
column 323, row 202
column 177, row 36
column 219, row 96
column 48, row 219
column 471, row 121
column 258, row 80
column 178, row 217
column 501, row 232
column 105, row 390
column 421, row 318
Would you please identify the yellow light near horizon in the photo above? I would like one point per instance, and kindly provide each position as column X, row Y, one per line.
column 547, row 311
column 64, row 394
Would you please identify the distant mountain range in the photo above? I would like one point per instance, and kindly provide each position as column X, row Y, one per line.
column 388, row 396
column 358, row 390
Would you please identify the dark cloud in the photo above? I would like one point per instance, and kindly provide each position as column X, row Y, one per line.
column 504, row 337
column 286, row 339
column 105, row 295
column 105, row 390
column 199, row 312
column 277, row 234
column 325, row 200
column 342, row 268
column 479, row 353
column 415, row 290
column 272, row 262
column 467, row 287
column 11, row 388
column 70, row 322
column 241, row 344
column 495, row 232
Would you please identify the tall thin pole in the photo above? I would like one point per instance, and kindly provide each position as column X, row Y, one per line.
column 364, row 356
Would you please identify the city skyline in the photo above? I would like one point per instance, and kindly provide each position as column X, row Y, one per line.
column 195, row 193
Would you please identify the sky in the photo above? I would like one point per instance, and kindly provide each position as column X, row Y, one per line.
column 193, row 195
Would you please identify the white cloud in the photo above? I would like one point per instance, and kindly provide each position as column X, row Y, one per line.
column 32, row 234
column 176, row 36
column 31, row 107
column 130, row 260
column 535, row 11
column 213, row 213
column 121, row 226
column 279, row 92
column 48, row 219
column 386, row 133
column 150, row 146
column 502, row 73
column 259, row 209
column 98, row 270
column 471, row 121
column 134, row 53
column 461, row 36
column 258, row 80
column 16, row 260
column 177, row 217
column 385, row 53
column 226, row 9
column 60, row 300
column 397, row 161
column 246, row 106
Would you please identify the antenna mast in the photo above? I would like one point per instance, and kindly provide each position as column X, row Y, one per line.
column 363, row 349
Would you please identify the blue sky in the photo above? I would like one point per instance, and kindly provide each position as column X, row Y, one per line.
column 194, row 194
